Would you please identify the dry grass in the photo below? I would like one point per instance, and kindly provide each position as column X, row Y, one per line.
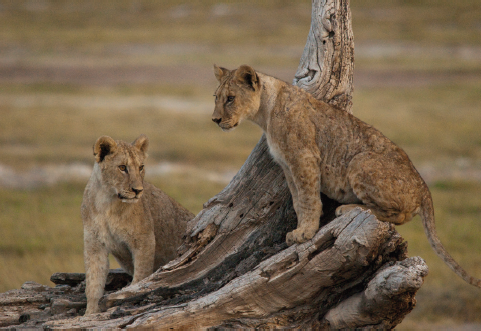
column 47, row 121
column 434, row 123
column 67, row 134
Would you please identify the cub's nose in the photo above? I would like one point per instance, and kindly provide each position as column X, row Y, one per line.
column 216, row 120
column 137, row 190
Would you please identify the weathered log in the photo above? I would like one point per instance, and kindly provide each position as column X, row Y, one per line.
column 116, row 279
column 292, row 288
column 336, row 275
column 34, row 304
column 234, row 268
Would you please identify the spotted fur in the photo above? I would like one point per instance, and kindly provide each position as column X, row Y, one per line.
column 136, row 222
column 324, row 149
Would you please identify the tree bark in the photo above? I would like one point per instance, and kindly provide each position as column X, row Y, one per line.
column 234, row 268
column 327, row 64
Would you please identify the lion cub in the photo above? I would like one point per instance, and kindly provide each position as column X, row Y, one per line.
column 136, row 222
column 324, row 149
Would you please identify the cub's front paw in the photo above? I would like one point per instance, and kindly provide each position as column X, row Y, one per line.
column 290, row 239
column 299, row 236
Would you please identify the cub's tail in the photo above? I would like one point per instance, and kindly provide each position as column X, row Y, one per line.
column 427, row 215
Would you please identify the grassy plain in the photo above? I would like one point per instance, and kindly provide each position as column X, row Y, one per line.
column 73, row 71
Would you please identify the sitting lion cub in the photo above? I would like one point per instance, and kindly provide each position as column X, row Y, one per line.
column 135, row 221
column 324, row 149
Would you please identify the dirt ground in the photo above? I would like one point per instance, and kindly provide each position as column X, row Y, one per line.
column 82, row 72
column 202, row 75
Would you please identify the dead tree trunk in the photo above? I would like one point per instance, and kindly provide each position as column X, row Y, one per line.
column 235, row 270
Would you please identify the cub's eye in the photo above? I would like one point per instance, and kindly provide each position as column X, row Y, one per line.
column 141, row 168
column 122, row 168
column 215, row 97
column 230, row 98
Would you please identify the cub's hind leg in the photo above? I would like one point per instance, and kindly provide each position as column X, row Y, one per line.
column 391, row 216
column 387, row 184
column 344, row 209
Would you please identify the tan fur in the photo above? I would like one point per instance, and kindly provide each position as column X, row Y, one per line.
column 136, row 222
column 324, row 149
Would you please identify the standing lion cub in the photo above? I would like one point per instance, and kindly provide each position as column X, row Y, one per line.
column 324, row 149
column 136, row 222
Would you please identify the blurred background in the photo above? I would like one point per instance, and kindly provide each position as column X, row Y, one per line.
column 71, row 71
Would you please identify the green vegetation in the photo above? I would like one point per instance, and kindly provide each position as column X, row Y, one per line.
column 55, row 110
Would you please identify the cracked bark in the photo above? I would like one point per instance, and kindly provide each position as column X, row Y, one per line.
column 234, row 268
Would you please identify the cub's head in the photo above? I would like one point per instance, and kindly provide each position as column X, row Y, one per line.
column 122, row 166
column 237, row 97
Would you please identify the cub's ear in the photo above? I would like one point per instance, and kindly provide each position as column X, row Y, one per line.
column 220, row 72
column 103, row 147
column 141, row 143
column 248, row 76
